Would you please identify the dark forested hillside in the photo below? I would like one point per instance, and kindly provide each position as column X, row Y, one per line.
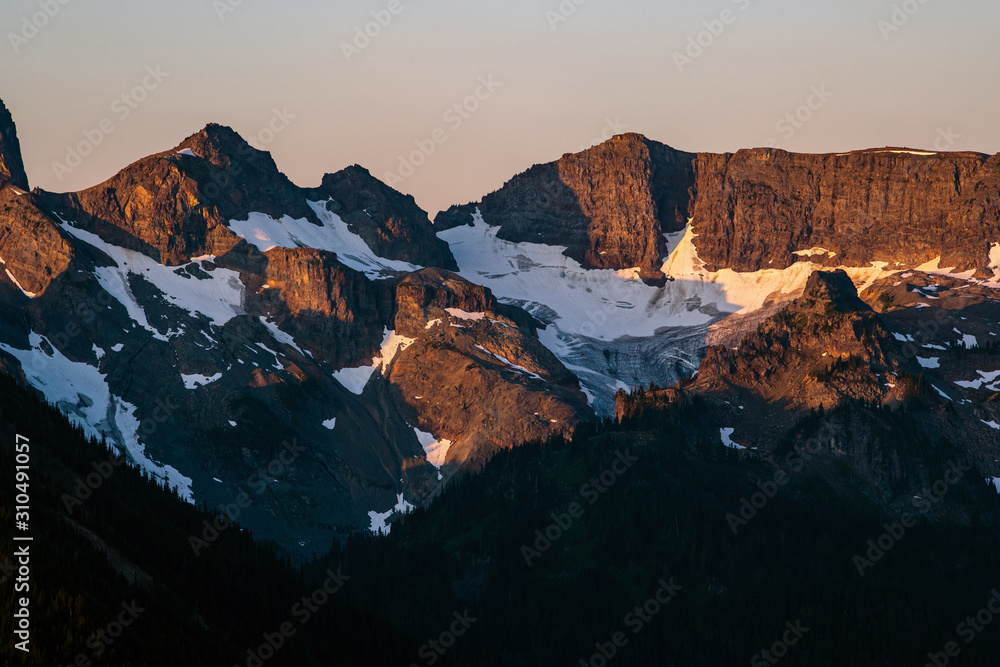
column 116, row 581
column 555, row 549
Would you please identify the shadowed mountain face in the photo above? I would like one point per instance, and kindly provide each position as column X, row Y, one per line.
column 333, row 356
column 828, row 368
column 235, row 336
column 390, row 223
column 11, row 163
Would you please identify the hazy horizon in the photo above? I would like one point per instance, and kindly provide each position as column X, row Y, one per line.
column 123, row 81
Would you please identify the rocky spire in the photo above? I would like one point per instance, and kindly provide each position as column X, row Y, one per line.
column 11, row 164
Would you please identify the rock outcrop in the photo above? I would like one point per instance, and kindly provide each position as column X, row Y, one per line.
column 34, row 251
column 826, row 345
column 175, row 205
column 609, row 205
column 11, row 160
column 475, row 373
column 755, row 208
column 329, row 308
column 390, row 222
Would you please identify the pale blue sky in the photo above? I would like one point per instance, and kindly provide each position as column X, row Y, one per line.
column 559, row 87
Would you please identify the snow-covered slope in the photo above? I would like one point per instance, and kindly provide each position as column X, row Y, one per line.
column 613, row 331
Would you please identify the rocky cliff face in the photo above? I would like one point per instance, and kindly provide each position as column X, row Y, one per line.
column 476, row 374
column 33, row 249
column 11, row 161
column 329, row 308
column 755, row 208
column 174, row 206
column 390, row 222
column 610, row 205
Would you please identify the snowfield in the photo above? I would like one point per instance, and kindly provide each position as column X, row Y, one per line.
column 614, row 331
column 354, row 380
column 80, row 391
column 219, row 299
column 333, row 235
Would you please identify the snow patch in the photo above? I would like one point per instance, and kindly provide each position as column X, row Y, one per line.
column 726, row 435
column 195, row 381
column 507, row 362
column 460, row 314
column 436, row 449
column 929, row 362
column 330, row 423
column 899, row 152
column 187, row 151
column 992, row 424
column 942, row 394
column 30, row 295
column 279, row 335
column 81, row 393
column 378, row 522
column 333, row 235
column 985, row 379
column 219, row 298
column 632, row 274
column 811, row 252
column 355, row 379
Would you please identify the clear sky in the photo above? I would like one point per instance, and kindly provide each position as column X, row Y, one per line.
column 560, row 76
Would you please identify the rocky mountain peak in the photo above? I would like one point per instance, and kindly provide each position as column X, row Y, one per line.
column 824, row 346
column 835, row 288
column 176, row 205
column 220, row 145
column 389, row 222
column 609, row 205
column 11, row 162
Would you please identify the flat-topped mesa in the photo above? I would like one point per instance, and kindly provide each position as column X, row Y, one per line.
column 390, row 223
column 175, row 205
column 11, row 161
column 609, row 205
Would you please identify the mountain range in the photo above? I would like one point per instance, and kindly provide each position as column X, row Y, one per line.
column 337, row 358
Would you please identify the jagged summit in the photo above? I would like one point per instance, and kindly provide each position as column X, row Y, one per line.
column 176, row 205
column 223, row 146
column 11, row 161
column 814, row 337
column 836, row 288
column 390, row 222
